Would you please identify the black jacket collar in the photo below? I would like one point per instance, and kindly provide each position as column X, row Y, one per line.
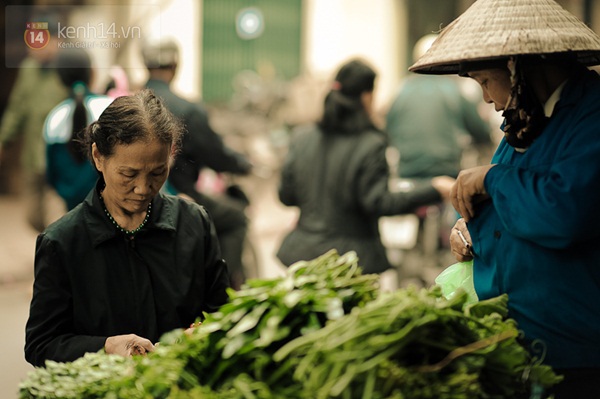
column 162, row 218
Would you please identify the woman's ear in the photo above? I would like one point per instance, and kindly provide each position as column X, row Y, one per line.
column 97, row 157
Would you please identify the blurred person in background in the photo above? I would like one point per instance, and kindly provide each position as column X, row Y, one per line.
column 118, row 84
column 337, row 174
column 430, row 121
column 129, row 263
column 68, row 169
column 36, row 91
column 202, row 148
column 530, row 217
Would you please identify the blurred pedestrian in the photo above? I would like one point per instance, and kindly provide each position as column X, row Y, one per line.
column 36, row 91
column 531, row 217
column 337, row 174
column 68, row 169
column 118, row 84
column 129, row 263
column 430, row 121
column 202, row 148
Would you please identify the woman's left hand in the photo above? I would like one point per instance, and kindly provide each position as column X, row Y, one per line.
column 128, row 345
column 460, row 241
column 468, row 190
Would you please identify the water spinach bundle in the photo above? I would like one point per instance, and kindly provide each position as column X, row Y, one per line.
column 322, row 330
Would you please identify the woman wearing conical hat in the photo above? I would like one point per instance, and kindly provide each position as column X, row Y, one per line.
column 531, row 218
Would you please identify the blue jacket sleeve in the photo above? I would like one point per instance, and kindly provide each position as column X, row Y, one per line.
column 555, row 202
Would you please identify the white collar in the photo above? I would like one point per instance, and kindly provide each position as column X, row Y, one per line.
column 553, row 99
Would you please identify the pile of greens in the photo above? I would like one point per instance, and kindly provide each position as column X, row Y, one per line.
column 322, row 330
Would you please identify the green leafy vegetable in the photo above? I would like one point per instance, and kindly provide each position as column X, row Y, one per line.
column 321, row 331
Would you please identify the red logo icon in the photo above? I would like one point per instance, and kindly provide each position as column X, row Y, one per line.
column 37, row 35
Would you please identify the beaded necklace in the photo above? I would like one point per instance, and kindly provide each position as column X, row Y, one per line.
column 127, row 232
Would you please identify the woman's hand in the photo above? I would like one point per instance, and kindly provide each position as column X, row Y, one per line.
column 127, row 345
column 469, row 190
column 461, row 247
column 190, row 330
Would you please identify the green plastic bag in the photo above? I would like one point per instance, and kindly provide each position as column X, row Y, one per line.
column 458, row 276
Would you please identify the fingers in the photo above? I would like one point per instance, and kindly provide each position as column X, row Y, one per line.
column 460, row 242
column 128, row 345
column 465, row 203
column 135, row 349
column 460, row 201
column 140, row 346
column 469, row 189
column 461, row 257
column 192, row 327
column 461, row 251
column 454, row 198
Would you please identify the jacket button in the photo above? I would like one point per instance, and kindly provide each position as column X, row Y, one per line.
column 497, row 234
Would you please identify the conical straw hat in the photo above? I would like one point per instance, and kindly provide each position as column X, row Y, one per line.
column 499, row 28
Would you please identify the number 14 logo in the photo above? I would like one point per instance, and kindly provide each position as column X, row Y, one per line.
column 37, row 35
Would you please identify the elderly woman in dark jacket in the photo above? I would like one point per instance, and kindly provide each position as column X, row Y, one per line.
column 337, row 174
column 129, row 263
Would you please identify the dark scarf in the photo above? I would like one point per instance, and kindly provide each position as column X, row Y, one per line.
column 524, row 115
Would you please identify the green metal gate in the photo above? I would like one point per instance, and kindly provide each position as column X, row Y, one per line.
column 242, row 34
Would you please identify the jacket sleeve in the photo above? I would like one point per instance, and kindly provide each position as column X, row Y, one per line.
column 373, row 190
column 556, row 205
column 50, row 330
column 204, row 146
column 287, row 182
column 216, row 275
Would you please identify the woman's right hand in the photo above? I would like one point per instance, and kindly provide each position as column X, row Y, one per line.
column 461, row 247
column 128, row 345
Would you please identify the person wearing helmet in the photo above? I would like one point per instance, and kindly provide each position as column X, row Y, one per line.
column 530, row 217
column 202, row 148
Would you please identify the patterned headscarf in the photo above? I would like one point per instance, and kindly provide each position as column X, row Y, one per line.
column 523, row 113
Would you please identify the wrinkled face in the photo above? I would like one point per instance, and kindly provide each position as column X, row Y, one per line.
column 495, row 84
column 134, row 174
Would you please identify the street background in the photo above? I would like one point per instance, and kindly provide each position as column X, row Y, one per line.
column 258, row 88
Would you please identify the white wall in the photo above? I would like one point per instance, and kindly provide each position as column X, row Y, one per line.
column 181, row 20
column 333, row 32
column 153, row 18
column 336, row 30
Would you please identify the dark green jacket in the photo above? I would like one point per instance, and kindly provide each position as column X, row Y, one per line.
column 92, row 282
column 37, row 90
column 428, row 123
